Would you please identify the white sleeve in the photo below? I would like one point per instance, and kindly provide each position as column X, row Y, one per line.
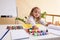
column 31, row 21
column 42, row 21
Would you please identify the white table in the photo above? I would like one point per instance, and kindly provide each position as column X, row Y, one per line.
column 54, row 35
column 45, row 37
column 50, row 36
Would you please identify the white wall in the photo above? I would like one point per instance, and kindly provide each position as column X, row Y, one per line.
column 51, row 6
column 8, row 7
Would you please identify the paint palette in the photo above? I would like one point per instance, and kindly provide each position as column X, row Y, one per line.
column 14, row 27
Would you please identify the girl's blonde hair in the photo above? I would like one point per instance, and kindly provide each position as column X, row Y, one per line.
column 31, row 14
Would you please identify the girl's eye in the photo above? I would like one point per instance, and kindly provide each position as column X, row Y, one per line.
column 35, row 11
column 39, row 12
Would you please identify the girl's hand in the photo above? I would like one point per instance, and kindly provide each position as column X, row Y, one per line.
column 48, row 23
column 35, row 27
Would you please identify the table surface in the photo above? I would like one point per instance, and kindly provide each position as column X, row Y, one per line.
column 49, row 36
column 45, row 37
column 31, row 37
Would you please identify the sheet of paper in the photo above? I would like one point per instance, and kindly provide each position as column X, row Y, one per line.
column 19, row 34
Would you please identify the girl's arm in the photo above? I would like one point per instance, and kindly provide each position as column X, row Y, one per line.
column 45, row 23
column 42, row 21
column 32, row 22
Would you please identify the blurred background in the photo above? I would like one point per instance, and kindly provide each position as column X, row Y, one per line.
column 23, row 8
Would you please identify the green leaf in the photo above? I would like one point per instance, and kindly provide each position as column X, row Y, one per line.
column 43, row 15
column 20, row 19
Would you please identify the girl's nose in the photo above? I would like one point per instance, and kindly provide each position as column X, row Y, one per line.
column 36, row 14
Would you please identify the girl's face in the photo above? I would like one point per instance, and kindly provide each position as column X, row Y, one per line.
column 36, row 13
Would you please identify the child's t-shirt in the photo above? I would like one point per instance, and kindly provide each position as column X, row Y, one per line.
column 32, row 21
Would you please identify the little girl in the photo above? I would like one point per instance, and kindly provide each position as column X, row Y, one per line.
column 35, row 18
